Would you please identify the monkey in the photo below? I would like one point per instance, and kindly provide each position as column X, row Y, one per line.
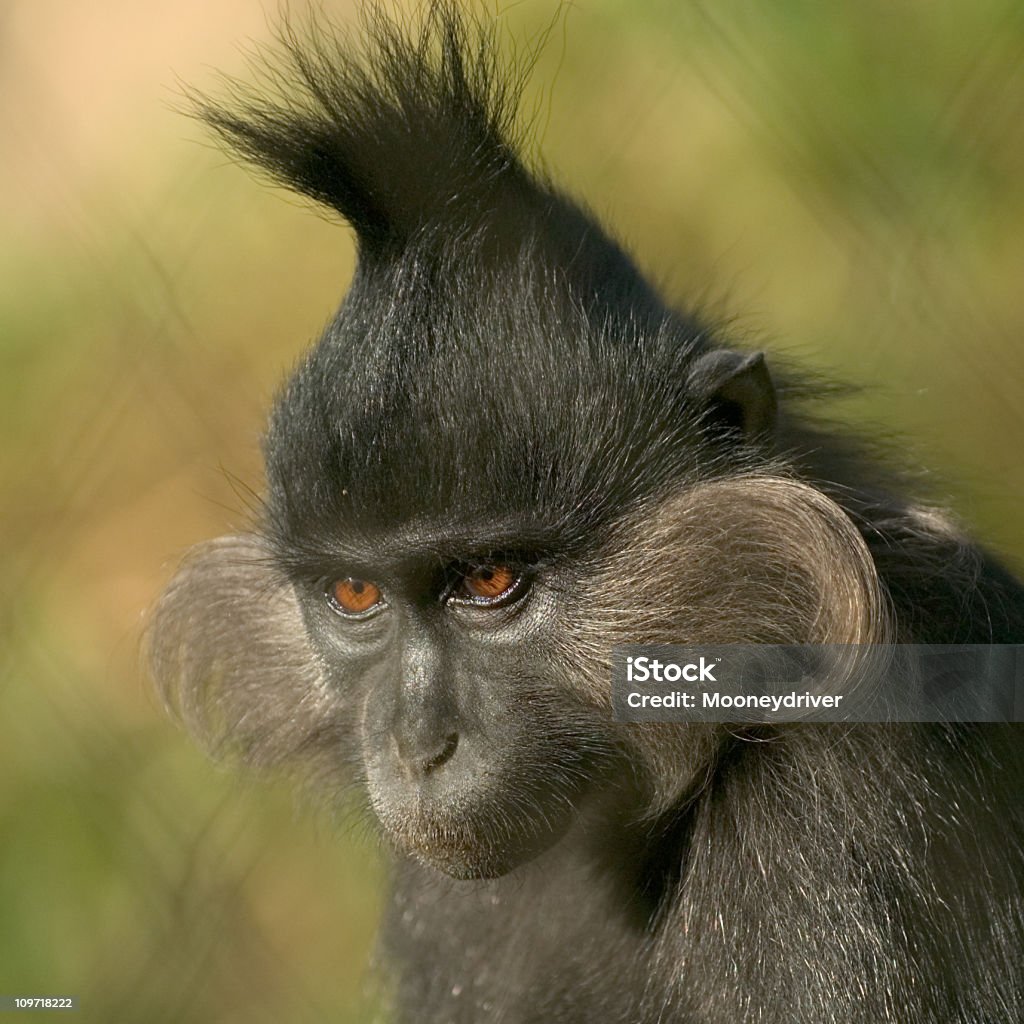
column 507, row 455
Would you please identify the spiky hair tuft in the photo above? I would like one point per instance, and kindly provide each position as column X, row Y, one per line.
column 407, row 130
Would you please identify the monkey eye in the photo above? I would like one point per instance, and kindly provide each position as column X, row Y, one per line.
column 489, row 586
column 352, row 596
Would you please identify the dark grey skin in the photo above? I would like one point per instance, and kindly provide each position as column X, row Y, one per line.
column 507, row 455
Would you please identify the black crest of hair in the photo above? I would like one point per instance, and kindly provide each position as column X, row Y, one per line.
column 467, row 262
column 503, row 396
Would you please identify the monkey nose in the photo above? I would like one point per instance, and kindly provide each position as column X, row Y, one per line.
column 424, row 755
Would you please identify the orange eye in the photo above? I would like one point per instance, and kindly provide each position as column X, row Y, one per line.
column 490, row 584
column 353, row 597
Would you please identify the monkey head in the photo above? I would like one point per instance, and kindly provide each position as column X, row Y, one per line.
column 504, row 456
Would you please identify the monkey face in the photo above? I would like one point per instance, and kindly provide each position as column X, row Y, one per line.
column 474, row 754
column 438, row 686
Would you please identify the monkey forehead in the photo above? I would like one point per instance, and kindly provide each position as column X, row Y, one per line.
column 426, row 399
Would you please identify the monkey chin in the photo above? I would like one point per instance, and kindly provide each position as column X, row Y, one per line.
column 463, row 866
column 469, row 853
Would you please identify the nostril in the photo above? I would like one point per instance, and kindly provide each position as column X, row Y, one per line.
column 442, row 755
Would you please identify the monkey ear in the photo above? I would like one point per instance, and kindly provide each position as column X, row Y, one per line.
column 736, row 392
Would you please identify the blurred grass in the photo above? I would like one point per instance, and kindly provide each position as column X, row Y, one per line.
column 848, row 180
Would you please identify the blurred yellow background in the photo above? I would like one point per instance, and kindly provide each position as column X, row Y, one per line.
column 846, row 180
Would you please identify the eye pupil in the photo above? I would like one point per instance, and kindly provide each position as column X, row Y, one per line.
column 354, row 596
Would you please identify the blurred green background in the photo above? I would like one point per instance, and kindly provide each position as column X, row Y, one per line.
column 846, row 180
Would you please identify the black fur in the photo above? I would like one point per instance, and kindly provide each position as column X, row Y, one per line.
column 500, row 387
